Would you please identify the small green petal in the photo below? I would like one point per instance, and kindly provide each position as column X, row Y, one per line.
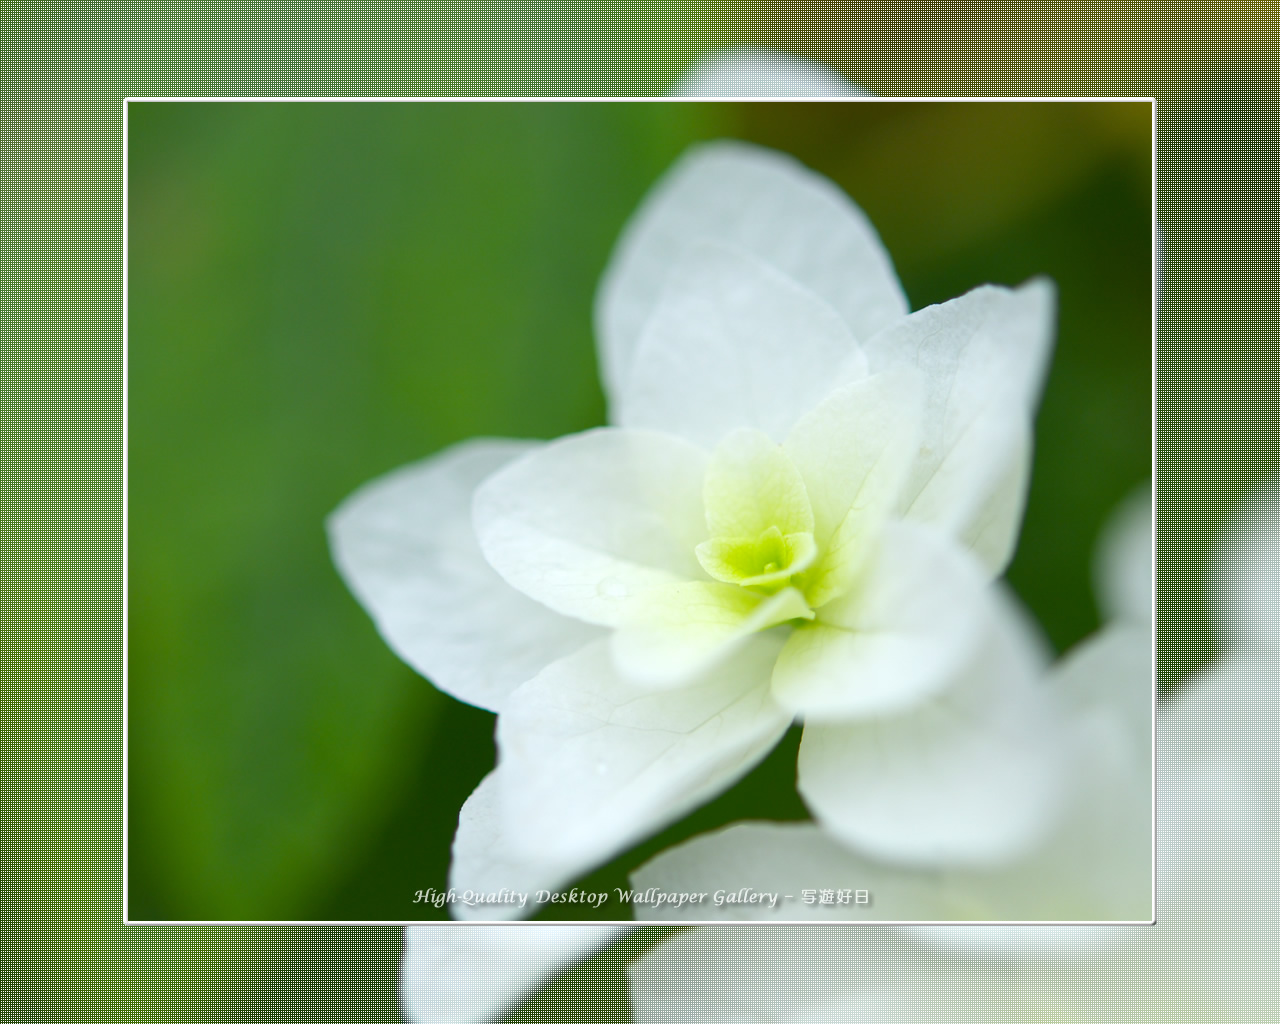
column 765, row 561
column 751, row 485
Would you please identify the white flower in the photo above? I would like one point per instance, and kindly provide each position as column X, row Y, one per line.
column 807, row 974
column 1211, row 955
column 453, row 975
column 1093, row 865
column 797, row 511
column 751, row 71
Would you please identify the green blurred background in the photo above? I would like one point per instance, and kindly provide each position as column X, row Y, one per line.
column 319, row 293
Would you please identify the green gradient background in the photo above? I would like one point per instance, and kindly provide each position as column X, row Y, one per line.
column 319, row 293
column 63, row 71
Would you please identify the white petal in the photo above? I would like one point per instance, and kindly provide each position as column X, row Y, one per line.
column 1110, row 676
column 988, row 523
column 590, row 764
column 783, row 859
column 587, row 523
column 1094, row 865
column 751, row 71
column 1219, row 806
column 797, row 973
column 854, row 451
column 1096, row 862
column 753, row 199
column 405, row 546
column 733, row 343
column 751, row 485
column 984, row 356
column 683, row 630
column 469, row 975
column 1122, row 570
column 1247, row 575
column 486, row 862
column 1210, row 957
column 906, row 631
column 973, row 776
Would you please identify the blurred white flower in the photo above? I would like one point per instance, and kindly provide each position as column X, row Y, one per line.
column 798, row 510
column 1093, row 865
column 1209, row 958
column 757, row 72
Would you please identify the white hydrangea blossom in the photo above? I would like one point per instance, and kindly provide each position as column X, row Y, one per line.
column 796, row 512
column 805, row 974
column 1094, row 864
column 757, row 72
column 1209, row 957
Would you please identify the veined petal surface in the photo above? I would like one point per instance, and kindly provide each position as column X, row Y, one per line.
column 405, row 546
column 907, row 631
column 732, row 342
column 853, row 452
column 486, row 859
column 971, row 776
column 748, row 198
column 588, row 523
column 984, row 356
column 682, row 630
column 590, row 764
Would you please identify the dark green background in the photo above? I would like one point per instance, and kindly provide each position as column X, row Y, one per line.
column 319, row 293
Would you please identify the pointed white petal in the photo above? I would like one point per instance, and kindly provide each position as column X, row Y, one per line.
column 752, row 199
column 971, row 777
column 907, row 631
column 752, row 71
column 487, row 862
column 984, row 356
column 989, row 523
column 591, row 764
column 587, row 523
column 456, row 975
column 854, row 452
column 405, row 546
column 733, row 343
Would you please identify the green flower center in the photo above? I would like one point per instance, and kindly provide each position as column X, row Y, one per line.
column 766, row 561
column 758, row 516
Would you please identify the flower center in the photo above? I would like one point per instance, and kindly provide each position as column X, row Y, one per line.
column 758, row 515
column 766, row 561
